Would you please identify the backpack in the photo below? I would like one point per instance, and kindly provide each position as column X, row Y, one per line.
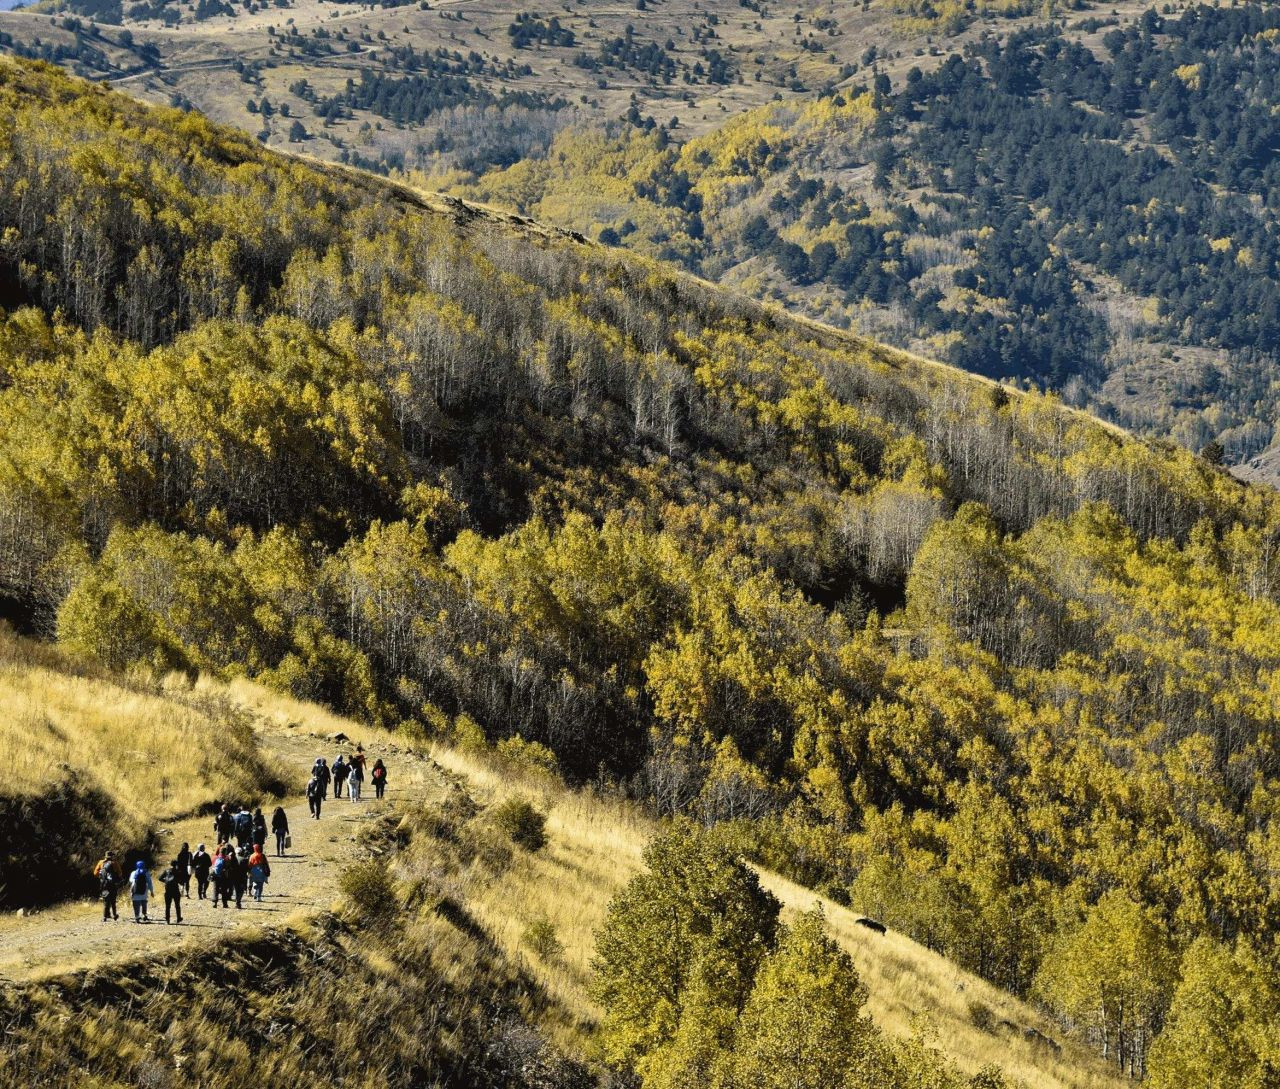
column 379, row 773
column 244, row 825
column 219, row 866
column 138, row 882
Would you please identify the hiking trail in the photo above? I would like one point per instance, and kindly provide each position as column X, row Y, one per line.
column 72, row 936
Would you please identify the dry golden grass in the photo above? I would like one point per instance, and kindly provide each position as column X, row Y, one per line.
column 146, row 746
column 155, row 750
column 281, row 711
column 595, row 845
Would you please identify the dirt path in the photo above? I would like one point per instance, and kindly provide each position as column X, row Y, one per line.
column 73, row 936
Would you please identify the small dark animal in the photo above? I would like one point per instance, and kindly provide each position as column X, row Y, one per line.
column 1035, row 1036
column 872, row 924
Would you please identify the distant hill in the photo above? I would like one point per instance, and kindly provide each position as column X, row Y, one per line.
column 960, row 657
column 1083, row 206
column 1076, row 200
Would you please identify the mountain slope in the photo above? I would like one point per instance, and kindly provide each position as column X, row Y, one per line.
column 458, row 883
column 1081, row 206
column 1078, row 201
column 970, row 662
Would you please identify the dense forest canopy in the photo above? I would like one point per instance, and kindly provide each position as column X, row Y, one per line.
column 965, row 658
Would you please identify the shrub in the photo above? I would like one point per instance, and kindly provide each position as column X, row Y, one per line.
column 981, row 1016
column 468, row 735
column 528, row 755
column 523, row 823
column 369, row 888
column 540, row 938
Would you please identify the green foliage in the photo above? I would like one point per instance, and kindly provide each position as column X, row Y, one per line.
column 1114, row 973
column 970, row 660
column 370, row 890
column 803, row 1026
column 522, row 823
column 701, row 986
column 687, row 934
column 528, row 755
column 1221, row 1025
column 540, row 937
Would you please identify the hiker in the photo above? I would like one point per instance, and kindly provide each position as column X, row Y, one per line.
column 223, row 824
column 243, row 827
column 379, row 777
column 171, row 879
column 240, row 873
column 259, row 871
column 108, row 875
column 223, row 878
column 259, row 827
column 183, row 862
column 140, row 887
column 280, row 826
column 201, row 863
column 316, row 794
column 321, row 769
column 355, row 777
column 358, row 761
column 339, row 775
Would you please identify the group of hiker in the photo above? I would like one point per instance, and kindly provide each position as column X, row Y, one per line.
column 348, row 773
column 238, row 863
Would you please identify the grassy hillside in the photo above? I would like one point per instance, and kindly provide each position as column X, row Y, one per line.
column 494, row 1000
column 96, row 761
column 455, row 84
column 958, row 657
column 595, row 846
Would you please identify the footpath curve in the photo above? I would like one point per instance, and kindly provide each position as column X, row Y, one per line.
column 72, row 936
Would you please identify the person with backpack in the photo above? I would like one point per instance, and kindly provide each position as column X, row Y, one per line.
column 316, row 794
column 259, row 827
column 339, row 775
column 321, row 769
column 171, row 879
column 243, row 827
column 240, row 874
column 109, row 882
column 140, row 887
column 259, row 871
column 280, row 826
column 183, row 862
column 224, row 880
column 355, row 778
column 379, row 777
column 201, row 864
column 223, row 824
